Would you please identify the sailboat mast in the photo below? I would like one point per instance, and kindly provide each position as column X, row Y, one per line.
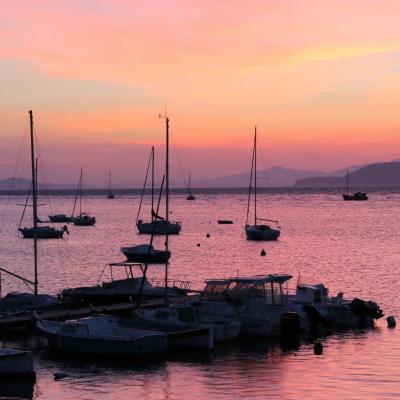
column 152, row 181
column 80, row 192
column 190, row 187
column 34, row 200
column 109, row 181
column 166, row 198
column 347, row 179
column 255, row 175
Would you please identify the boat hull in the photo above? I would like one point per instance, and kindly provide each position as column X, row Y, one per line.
column 51, row 233
column 154, row 257
column 84, row 221
column 159, row 228
column 16, row 364
column 261, row 232
column 60, row 218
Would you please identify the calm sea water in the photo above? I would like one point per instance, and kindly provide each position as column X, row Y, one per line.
column 349, row 246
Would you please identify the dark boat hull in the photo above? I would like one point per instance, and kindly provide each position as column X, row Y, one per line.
column 29, row 233
column 156, row 257
column 60, row 218
column 159, row 228
column 261, row 233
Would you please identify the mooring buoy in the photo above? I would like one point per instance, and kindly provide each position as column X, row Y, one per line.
column 391, row 321
column 208, row 235
column 318, row 348
column 198, row 244
column 263, row 252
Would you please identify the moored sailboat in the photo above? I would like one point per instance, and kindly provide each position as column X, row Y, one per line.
column 258, row 231
column 357, row 196
column 82, row 219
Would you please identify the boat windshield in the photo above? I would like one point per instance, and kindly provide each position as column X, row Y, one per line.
column 271, row 291
column 215, row 289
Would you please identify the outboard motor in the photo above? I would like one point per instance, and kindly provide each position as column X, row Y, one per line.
column 366, row 309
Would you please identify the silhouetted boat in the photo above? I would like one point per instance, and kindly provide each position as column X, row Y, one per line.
column 110, row 193
column 60, row 218
column 190, row 195
column 357, row 196
column 82, row 219
column 102, row 335
column 37, row 231
column 145, row 253
column 257, row 231
column 225, row 221
column 16, row 364
column 126, row 289
column 158, row 225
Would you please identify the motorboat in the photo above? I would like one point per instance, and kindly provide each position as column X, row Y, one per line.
column 102, row 335
column 126, row 289
column 145, row 253
column 258, row 231
column 180, row 323
column 16, row 364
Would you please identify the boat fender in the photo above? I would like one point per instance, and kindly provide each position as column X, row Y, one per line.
column 318, row 348
column 290, row 324
column 391, row 321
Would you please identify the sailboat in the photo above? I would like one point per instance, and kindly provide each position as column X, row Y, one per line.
column 82, row 219
column 190, row 196
column 37, row 232
column 16, row 301
column 358, row 196
column 257, row 231
column 110, row 193
column 158, row 225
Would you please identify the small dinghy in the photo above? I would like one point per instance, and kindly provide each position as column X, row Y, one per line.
column 225, row 222
column 145, row 253
column 16, row 364
column 102, row 335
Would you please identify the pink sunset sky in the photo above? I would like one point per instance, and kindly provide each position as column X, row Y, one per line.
column 321, row 79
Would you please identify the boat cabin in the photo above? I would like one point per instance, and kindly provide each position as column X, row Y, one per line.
column 311, row 294
column 267, row 289
column 215, row 289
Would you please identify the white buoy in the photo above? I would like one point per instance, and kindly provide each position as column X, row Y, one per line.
column 391, row 321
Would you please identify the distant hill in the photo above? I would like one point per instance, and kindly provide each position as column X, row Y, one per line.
column 24, row 184
column 374, row 175
column 272, row 177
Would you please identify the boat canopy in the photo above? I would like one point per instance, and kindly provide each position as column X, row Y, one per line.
column 261, row 279
column 217, row 281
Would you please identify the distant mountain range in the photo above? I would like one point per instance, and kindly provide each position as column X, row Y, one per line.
column 377, row 174
column 373, row 175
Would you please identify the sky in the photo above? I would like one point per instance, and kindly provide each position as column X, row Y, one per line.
column 320, row 79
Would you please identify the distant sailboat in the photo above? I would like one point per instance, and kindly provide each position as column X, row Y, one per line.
column 190, row 196
column 358, row 196
column 110, row 193
column 257, row 231
column 82, row 219
column 37, row 232
column 158, row 225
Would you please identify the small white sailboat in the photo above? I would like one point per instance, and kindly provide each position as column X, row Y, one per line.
column 258, row 231
column 102, row 335
column 82, row 219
